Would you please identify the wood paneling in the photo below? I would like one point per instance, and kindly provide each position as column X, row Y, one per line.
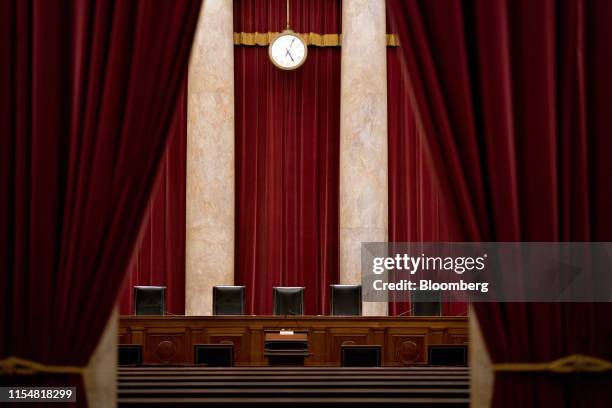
column 404, row 340
column 405, row 350
column 238, row 337
column 337, row 338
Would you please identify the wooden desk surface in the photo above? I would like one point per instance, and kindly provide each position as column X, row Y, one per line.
column 404, row 340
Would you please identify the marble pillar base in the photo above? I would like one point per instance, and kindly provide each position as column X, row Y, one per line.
column 350, row 259
column 207, row 256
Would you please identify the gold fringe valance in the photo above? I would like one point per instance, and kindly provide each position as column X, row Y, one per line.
column 21, row 366
column 315, row 39
column 576, row 363
column 392, row 40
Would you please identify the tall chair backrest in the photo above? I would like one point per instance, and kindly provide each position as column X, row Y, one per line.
column 288, row 301
column 345, row 300
column 228, row 300
column 149, row 300
column 426, row 303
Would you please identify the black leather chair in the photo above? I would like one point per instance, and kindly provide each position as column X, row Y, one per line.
column 288, row 301
column 228, row 300
column 345, row 300
column 130, row 355
column 426, row 303
column 149, row 300
column 360, row 356
column 214, row 355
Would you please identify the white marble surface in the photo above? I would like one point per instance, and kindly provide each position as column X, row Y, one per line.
column 210, row 158
column 363, row 136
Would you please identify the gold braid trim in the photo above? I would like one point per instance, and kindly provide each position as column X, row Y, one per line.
column 576, row 363
column 318, row 40
column 392, row 40
column 21, row 366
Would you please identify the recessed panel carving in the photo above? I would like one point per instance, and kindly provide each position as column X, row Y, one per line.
column 406, row 350
column 160, row 349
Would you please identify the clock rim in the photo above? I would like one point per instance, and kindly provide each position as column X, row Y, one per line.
column 276, row 37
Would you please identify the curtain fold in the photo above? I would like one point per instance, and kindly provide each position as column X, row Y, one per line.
column 515, row 106
column 416, row 212
column 159, row 258
column 88, row 93
column 287, row 154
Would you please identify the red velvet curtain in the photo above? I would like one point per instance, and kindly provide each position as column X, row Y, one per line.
column 159, row 258
column 287, row 154
column 416, row 211
column 88, row 94
column 515, row 101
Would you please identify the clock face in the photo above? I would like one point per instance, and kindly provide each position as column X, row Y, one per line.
column 288, row 51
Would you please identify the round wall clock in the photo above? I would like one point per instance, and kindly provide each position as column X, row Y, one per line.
column 288, row 50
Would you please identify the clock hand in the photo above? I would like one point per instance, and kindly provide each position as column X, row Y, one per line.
column 291, row 45
column 290, row 56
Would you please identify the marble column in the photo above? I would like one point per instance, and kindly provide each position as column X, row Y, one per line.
column 210, row 158
column 100, row 376
column 363, row 136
